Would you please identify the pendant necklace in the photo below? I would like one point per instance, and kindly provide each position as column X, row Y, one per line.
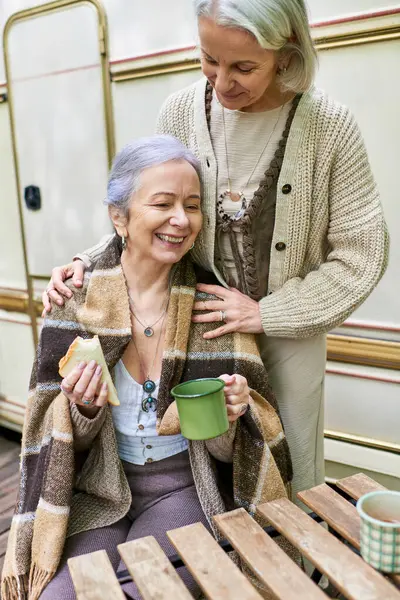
column 237, row 196
column 148, row 330
column 149, row 402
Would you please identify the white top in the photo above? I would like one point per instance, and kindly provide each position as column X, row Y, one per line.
column 259, row 134
column 137, row 438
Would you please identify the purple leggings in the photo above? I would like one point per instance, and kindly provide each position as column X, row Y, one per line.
column 164, row 497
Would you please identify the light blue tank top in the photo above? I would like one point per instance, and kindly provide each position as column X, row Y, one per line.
column 137, row 438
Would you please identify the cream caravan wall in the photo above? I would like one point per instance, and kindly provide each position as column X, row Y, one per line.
column 139, row 27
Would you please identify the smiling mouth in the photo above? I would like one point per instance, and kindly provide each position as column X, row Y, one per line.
column 170, row 238
column 230, row 96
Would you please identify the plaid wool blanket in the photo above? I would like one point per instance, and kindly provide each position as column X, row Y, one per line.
column 55, row 500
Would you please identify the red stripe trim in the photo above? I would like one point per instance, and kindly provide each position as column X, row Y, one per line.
column 361, row 375
column 7, row 401
column 356, row 17
column 373, row 326
column 119, row 61
column 2, row 320
column 61, row 72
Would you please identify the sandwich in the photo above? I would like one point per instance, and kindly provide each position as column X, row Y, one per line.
column 87, row 350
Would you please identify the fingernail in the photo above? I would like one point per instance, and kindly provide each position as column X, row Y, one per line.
column 92, row 364
column 98, row 370
column 105, row 386
column 59, row 302
column 78, row 282
column 69, row 294
column 81, row 365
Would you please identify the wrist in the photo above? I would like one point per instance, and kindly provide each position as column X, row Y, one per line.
column 88, row 411
column 258, row 326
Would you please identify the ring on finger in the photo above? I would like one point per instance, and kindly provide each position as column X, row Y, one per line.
column 243, row 408
column 223, row 316
column 87, row 400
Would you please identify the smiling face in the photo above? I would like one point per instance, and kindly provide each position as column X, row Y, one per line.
column 164, row 215
column 243, row 74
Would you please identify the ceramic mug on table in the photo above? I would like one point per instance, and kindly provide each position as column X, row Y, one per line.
column 380, row 530
column 201, row 408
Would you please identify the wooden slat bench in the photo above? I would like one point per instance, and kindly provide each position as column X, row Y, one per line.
column 220, row 578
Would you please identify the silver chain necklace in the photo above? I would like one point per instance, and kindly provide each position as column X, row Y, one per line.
column 148, row 330
column 149, row 385
column 236, row 196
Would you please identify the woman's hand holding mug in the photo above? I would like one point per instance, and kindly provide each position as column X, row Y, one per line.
column 237, row 395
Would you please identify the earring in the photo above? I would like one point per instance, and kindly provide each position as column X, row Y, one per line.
column 282, row 70
column 124, row 244
column 192, row 246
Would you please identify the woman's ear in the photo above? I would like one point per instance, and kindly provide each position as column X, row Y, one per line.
column 119, row 220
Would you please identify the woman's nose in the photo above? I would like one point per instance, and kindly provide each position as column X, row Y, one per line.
column 179, row 218
column 223, row 83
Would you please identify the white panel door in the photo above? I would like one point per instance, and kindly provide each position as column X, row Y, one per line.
column 57, row 100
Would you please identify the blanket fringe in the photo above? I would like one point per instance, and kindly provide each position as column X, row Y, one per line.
column 38, row 579
column 14, row 588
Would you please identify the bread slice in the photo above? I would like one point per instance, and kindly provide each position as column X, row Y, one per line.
column 87, row 350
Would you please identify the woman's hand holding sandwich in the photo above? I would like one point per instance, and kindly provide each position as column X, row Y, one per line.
column 83, row 387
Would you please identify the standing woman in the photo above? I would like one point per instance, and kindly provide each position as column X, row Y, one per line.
column 293, row 225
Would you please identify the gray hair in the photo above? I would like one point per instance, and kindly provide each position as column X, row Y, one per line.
column 280, row 25
column 141, row 154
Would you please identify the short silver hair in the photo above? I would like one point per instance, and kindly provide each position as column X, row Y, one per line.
column 280, row 25
column 141, row 154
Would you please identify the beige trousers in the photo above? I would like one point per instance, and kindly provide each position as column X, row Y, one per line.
column 296, row 369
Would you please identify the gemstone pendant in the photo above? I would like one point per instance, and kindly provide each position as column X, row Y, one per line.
column 149, row 403
column 148, row 332
column 234, row 196
column 149, row 386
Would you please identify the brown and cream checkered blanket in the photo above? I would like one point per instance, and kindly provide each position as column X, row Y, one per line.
column 54, row 500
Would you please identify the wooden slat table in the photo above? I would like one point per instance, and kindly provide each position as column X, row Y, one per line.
column 271, row 564
column 358, row 485
column 213, row 570
column 337, row 512
column 151, row 570
column 347, row 571
column 220, row 578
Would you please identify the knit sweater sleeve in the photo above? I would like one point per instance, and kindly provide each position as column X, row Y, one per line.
column 357, row 251
column 89, row 256
column 221, row 447
column 175, row 114
column 85, row 430
column 166, row 118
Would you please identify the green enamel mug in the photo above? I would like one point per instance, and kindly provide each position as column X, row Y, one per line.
column 201, row 408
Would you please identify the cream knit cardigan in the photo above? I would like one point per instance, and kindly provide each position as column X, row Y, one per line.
column 331, row 221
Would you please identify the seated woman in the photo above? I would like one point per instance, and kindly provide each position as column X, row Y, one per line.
column 138, row 476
